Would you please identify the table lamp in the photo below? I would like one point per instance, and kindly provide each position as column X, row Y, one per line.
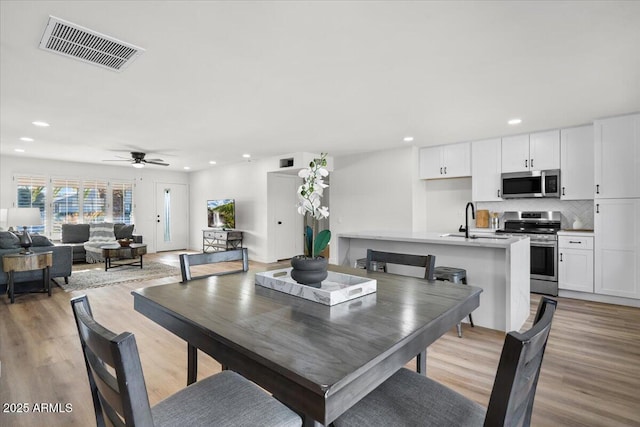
column 24, row 217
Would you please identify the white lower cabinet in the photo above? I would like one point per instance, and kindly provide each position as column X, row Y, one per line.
column 617, row 247
column 575, row 263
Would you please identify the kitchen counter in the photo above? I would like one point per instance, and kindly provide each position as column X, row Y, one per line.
column 498, row 264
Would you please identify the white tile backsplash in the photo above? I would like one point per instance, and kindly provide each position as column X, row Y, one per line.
column 571, row 209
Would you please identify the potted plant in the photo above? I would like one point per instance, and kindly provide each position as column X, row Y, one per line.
column 311, row 268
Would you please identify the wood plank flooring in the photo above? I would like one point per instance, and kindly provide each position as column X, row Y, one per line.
column 590, row 375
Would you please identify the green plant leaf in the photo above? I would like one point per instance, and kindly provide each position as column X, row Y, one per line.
column 308, row 240
column 322, row 240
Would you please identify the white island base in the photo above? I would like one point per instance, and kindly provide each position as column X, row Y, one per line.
column 499, row 266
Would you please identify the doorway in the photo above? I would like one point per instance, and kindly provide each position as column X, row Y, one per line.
column 285, row 228
column 172, row 219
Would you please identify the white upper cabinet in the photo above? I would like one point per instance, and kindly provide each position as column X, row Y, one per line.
column 576, row 163
column 445, row 161
column 486, row 161
column 515, row 153
column 617, row 157
column 537, row 151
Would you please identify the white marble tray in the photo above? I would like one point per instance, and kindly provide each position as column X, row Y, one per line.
column 336, row 288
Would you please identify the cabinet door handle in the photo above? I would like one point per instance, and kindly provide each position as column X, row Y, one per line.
column 597, row 188
column 573, row 241
column 560, row 256
column 563, row 191
column 531, row 162
column 498, row 192
column 598, row 208
column 526, row 165
column 440, row 171
column 445, row 170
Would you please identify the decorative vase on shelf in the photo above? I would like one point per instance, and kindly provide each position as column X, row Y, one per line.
column 309, row 271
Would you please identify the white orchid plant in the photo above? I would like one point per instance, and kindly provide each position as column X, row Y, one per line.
column 310, row 204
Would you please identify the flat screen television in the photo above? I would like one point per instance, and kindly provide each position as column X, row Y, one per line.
column 221, row 213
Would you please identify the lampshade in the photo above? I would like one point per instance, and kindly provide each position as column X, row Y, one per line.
column 24, row 217
column 3, row 218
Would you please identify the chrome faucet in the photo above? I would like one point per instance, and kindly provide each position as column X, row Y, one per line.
column 466, row 218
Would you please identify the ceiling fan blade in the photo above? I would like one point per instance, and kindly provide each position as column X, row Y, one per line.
column 116, row 160
column 155, row 160
column 156, row 163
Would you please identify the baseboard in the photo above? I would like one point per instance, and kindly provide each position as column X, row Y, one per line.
column 608, row 299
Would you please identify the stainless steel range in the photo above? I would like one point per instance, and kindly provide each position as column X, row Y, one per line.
column 541, row 228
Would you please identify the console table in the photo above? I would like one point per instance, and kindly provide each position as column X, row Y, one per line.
column 221, row 240
column 26, row 262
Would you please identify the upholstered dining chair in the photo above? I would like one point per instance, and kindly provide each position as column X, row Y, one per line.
column 410, row 399
column 120, row 395
column 189, row 260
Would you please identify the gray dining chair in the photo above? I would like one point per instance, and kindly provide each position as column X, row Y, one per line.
column 120, row 395
column 410, row 399
column 189, row 260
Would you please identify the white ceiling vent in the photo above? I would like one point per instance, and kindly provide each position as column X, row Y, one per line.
column 77, row 42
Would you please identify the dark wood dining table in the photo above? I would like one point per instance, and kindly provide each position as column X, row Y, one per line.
column 319, row 360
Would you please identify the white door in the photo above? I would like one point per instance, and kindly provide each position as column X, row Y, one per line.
column 172, row 218
column 544, row 150
column 286, row 224
column 485, row 170
column 457, row 160
column 515, row 153
column 576, row 160
column 431, row 163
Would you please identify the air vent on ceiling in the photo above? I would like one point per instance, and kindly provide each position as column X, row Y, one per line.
column 66, row 38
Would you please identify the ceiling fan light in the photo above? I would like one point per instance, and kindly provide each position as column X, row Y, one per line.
column 138, row 165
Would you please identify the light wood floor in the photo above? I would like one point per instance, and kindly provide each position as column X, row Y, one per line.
column 590, row 375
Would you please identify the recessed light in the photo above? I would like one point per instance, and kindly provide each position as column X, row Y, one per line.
column 212, row 162
column 19, row 150
column 187, row 167
column 246, row 156
column 26, row 139
column 408, row 139
column 41, row 124
column 515, row 121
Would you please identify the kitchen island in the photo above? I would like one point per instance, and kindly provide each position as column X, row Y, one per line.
column 497, row 264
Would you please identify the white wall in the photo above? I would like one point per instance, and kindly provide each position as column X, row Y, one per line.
column 144, row 192
column 246, row 183
column 445, row 202
column 372, row 191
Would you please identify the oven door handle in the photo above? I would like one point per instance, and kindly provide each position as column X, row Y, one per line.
column 545, row 244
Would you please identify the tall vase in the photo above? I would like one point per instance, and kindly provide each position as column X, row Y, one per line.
column 309, row 271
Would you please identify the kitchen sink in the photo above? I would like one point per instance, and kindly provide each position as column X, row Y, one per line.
column 473, row 236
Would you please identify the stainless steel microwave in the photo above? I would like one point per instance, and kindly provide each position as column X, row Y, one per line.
column 520, row 185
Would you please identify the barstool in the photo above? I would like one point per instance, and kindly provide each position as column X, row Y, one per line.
column 455, row 275
column 375, row 265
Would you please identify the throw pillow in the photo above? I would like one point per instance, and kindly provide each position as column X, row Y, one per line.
column 123, row 231
column 8, row 240
column 38, row 240
column 75, row 233
column 101, row 232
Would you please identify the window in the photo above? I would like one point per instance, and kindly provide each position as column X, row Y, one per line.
column 122, row 202
column 32, row 193
column 94, row 201
column 65, row 204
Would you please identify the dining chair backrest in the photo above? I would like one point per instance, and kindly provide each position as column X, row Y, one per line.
column 426, row 261
column 115, row 373
column 189, row 260
column 514, row 389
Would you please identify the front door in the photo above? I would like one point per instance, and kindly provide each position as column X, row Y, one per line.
column 172, row 220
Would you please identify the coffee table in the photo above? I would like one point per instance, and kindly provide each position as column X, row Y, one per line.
column 114, row 250
column 12, row 263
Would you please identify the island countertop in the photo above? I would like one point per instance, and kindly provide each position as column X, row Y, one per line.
column 498, row 264
column 457, row 239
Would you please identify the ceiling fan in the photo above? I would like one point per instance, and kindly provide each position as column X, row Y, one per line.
column 138, row 161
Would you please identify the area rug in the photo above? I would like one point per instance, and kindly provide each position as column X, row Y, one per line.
column 96, row 277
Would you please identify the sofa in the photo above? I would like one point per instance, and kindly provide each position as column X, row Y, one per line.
column 87, row 239
column 62, row 258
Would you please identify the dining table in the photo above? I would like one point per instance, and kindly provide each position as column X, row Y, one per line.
column 317, row 359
